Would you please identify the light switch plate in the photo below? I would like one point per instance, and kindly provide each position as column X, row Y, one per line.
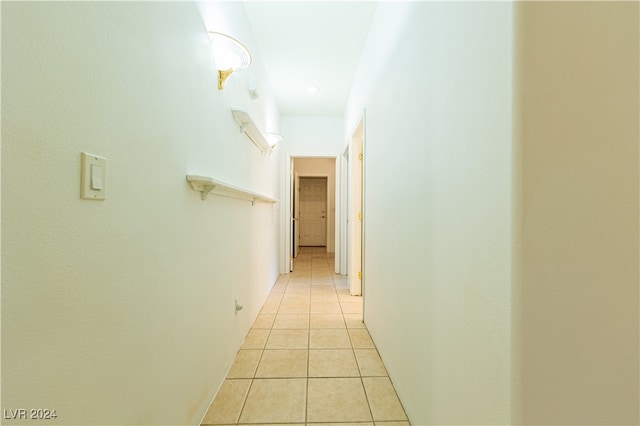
column 93, row 177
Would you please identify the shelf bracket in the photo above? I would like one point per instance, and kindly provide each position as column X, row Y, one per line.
column 202, row 184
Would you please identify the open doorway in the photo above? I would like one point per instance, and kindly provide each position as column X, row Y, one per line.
column 313, row 205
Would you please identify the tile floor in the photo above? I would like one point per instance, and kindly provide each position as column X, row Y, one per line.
column 308, row 359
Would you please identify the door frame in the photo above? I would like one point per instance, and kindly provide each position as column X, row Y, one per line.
column 343, row 268
column 357, row 214
column 286, row 259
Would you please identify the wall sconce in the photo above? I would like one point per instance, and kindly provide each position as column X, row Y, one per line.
column 230, row 55
column 274, row 138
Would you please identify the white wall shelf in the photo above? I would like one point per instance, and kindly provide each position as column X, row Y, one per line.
column 206, row 185
column 249, row 128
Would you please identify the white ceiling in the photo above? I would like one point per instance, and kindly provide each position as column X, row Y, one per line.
column 306, row 43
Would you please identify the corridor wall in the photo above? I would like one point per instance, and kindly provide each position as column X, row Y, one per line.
column 436, row 82
column 576, row 317
column 122, row 311
column 502, row 209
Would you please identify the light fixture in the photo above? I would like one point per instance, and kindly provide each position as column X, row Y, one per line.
column 312, row 89
column 274, row 138
column 230, row 55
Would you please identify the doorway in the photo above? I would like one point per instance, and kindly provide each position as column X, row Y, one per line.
column 313, row 212
column 319, row 176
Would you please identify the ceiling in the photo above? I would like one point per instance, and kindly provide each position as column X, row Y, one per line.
column 305, row 43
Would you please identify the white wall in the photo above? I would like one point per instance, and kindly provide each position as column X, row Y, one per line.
column 438, row 205
column 122, row 311
column 311, row 136
column 576, row 307
column 325, row 167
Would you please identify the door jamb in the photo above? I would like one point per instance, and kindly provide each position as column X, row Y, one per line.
column 285, row 244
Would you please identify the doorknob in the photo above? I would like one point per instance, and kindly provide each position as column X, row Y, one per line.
column 321, row 217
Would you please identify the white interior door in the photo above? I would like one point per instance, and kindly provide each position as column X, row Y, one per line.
column 313, row 211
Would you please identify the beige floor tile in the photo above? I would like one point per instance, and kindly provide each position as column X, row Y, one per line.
column 264, row 321
column 256, row 339
column 322, row 289
column 275, row 401
column 324, row 297
column 294, row 308
column 309, row 307
column 300, row 281
column 245, row 364
column 369, row 362
column 383, row 400
column 391, row 424
column 288, row 339
column 227, row 404
column 354, row 321
column 283, row 363
column 337, row 400
column 340, row 424
column 274, row 424
column 360, row 338
column 321, row 277
column 329, row 339
column 346, row 297
column 340, row 279
column 351, row 307
column 293, row 288
column 279, row 288
column 274, row 298
column 325, row 308
column 297, row 297
column 270, row 308
column 327, row 321
column 322, row 282
column 291, row 321
column 332, row 363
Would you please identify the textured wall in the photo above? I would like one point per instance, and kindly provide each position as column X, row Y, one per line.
column 576, row 306
column 438, row 205
column 121, row 311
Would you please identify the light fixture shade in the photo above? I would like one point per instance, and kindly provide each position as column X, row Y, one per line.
column 229, row 53
column 274, row 138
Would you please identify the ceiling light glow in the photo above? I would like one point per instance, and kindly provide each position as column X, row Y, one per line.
column 312, row 89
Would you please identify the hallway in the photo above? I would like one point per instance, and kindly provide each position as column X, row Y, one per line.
column 308, row 359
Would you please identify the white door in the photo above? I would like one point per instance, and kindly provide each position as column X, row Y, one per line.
column 313, row 211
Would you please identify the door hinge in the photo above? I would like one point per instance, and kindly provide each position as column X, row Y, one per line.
column 359, row 215
column 360, row 275
column 360, row 156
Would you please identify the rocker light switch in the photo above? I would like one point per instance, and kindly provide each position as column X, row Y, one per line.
column 96, row 177
column 93, row 177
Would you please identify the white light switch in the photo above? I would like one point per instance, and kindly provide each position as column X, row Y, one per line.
column 93, row 177
column 96, row 177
